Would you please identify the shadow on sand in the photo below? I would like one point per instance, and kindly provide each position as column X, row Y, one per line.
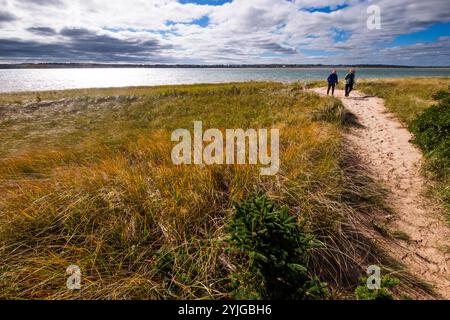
column 364, row 98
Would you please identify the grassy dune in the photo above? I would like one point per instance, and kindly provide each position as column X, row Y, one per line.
column 407, row 98
column 87, row 179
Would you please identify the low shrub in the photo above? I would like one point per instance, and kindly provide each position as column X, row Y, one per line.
column 432, row 127
column 439, row 160
column 362, row 292
column 275, row 249
column 432, row 134
column 441, row 95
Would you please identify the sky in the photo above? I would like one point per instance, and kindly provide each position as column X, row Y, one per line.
column 411, row 32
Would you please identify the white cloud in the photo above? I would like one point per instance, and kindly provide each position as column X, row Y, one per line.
column 244, row 31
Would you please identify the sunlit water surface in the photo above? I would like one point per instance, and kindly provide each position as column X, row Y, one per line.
column 12, row 80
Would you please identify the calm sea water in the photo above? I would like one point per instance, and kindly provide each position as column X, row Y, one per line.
column 59, row 79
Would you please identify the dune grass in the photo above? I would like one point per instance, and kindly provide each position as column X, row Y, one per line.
column 88, row 180
column 408, row 99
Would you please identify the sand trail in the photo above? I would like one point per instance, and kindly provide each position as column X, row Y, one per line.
column 383, row 145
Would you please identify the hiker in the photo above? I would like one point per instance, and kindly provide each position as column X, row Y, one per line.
column 349, row 82
column 332, row 82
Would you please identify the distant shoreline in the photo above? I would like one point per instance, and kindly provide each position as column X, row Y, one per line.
column 193, row 84
column 188, row 66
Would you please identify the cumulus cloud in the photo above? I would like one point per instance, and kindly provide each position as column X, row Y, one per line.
column 239, row 31
column 421, row 53
column 6, row 16
column 78, row 44
column 46, row 31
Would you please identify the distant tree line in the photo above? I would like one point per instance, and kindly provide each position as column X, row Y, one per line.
column 99, row 65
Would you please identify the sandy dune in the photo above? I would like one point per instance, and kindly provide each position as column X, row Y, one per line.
column 384, row 146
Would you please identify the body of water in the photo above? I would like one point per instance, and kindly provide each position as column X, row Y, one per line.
column 14, row 80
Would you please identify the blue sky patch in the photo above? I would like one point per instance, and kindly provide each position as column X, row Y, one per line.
column 340, row 35
column 327, row 9
column 202, row 22
column 432, row 33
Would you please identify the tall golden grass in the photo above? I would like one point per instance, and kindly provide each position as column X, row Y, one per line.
column 91, row 183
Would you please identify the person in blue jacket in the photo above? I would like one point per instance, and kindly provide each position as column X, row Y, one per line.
column 332, row 82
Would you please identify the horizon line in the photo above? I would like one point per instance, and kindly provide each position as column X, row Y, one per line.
column 222, row 65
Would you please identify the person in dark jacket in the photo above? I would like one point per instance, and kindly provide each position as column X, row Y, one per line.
column 349, row 82
column 332, row 82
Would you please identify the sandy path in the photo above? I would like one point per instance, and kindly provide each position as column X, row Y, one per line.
column 384, row 147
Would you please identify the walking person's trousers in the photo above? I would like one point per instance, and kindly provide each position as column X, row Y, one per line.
column 348, row 89
column 331, row 86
